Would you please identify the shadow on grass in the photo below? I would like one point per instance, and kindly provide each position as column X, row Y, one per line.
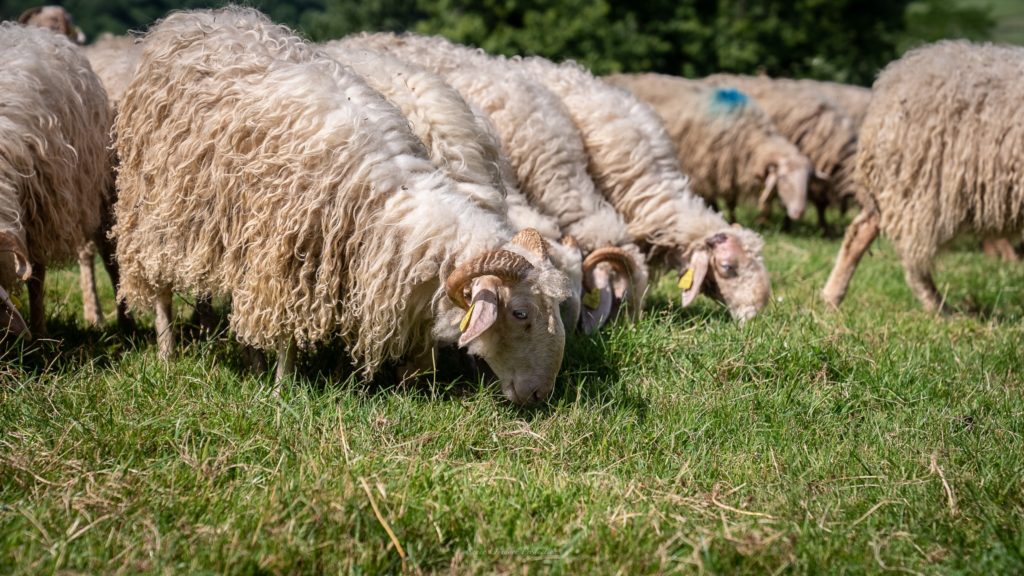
column 70, row 345
column 590, row 372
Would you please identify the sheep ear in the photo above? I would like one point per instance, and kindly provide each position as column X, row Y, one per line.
column 770, row 180
column 693, row 276
column 11, row 243
column 483, row 309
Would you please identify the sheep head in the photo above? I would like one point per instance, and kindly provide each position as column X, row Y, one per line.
column 788, row 176
column 567, row 256
column 13, row 259
column 512, row 319
column 728, row 267
column 611, row 275
column 54, row 18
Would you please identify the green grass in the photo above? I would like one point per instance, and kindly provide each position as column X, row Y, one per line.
column 875, row 439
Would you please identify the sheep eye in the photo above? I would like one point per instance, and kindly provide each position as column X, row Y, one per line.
column 520, row 314
column 728, row 269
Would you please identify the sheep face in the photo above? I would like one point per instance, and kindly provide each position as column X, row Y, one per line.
column 790, row 177
column 519, row 333
column 512, row 319
column 611, row 277
column 728, row 267
column 54, row 18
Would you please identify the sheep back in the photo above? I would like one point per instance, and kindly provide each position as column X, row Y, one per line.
column 54, row 121
column 255, row 166
column 942, row 145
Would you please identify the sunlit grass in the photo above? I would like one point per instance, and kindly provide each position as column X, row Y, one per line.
column 877, row 438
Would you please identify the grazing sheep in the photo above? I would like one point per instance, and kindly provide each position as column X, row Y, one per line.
column 463, row 144
column 727, row 145
column 53, row 18
column 546, row 150
column 114, row 59
column 635, row 165
column 817, row 126
column 852, row 100
column 940, row 153
column 54, row 165
column 255, row 166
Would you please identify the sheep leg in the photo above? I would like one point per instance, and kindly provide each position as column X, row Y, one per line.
column 107, row 249
column 764, row 214
column 91, row 307
column 36, row 304
column 820, row 205
column 203, row 314
column 1000, row 248
column 164, row 318
column 285, row 359
column 919, row 278
column 859, row 235
column 730, row 203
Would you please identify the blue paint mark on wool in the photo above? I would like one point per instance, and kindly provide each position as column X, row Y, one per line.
column 728, row 100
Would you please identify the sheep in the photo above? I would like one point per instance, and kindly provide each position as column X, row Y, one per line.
column 255, row 166
column 463, row 144
column 114, row 59
column 939, row 154
column 633, row 163
column 852, row 100
column 817, row 126
column 547, row 152
column 726, row 143
column 635, row 166
column 54, row 166
column 54, row 18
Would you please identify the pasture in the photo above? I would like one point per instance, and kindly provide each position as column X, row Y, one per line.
column 874, row 439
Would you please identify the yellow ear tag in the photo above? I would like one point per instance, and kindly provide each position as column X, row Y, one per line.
column 686, row 280
column 465, row 319
column 15, row 300
column 592, row 299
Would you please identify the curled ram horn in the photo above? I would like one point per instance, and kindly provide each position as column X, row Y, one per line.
column 508, row 266
column 530, row 239
column 617, row 257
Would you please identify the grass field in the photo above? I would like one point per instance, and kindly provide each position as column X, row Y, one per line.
column 876, row 439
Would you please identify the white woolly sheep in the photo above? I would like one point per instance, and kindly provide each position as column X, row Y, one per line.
column 114, row 59
column 54, row 165
column 817, row 126
column 255, row 166
column 727, row 144
column 635, row 165
column 547, row 152
column 54, row 18
column 462, row 143
column 940, row 153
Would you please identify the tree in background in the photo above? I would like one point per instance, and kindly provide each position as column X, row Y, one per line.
column 845, row 40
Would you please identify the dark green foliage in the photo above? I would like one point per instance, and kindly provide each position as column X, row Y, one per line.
column 845, row 40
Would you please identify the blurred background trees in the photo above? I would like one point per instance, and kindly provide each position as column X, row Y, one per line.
column 845, row 40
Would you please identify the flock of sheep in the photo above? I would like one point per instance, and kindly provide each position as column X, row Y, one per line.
column 404, row 193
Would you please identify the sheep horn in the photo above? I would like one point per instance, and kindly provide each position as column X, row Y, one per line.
column 530, row 239
column 508, row 266
column 614, row 255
